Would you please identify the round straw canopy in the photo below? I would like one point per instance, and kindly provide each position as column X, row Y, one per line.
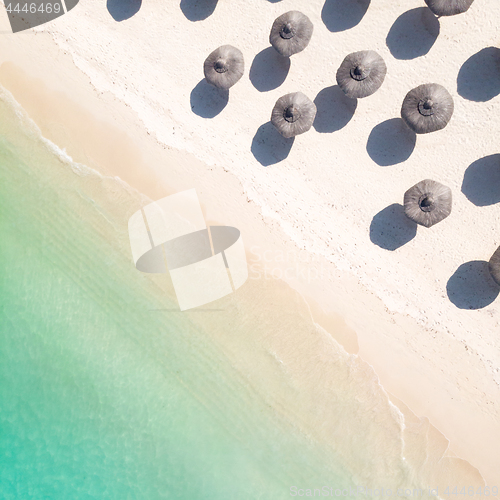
column 494, row 266
column 448, row 7
column 361, row 74
column 293, row 114
column 224, row 67
column 291, row 33
column 427, row 108
column 428, row 202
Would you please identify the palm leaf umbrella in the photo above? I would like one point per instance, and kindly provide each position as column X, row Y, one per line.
column 293, row 114
column 448, row 7
column 361, row 74
column 291, row 33
column 494, row 265
column 427, row 108
column 224, row 67
column 428, row 202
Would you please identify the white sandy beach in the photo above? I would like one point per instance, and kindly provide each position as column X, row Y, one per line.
column 127, row 99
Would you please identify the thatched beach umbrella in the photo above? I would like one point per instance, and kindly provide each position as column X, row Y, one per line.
column 427, row 108
column 494, row 266
column 224, row 66
column 448, row 7
column 428, row 202
column 361, row 74
column 291, row 33
column 293, row 114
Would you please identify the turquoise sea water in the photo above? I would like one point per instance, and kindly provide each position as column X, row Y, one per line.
column 108, row 392
column 103, row 394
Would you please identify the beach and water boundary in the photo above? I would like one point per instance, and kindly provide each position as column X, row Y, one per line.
column 219, row 215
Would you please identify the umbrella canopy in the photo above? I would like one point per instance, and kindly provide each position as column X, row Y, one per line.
column 224, row 66
column 428, row 202
column 494, row 266
column 293, row 114
column 427, row 108
column 291, row 33
column 448, row 7
column 361, row 74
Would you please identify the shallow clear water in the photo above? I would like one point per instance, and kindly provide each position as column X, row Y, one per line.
column 103, row 393
column 107, row 391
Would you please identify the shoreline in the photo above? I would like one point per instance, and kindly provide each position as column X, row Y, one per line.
column 118, row 123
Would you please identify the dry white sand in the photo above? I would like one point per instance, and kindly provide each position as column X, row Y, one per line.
column 126, row 109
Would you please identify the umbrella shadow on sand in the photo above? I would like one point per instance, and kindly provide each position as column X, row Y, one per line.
column 269, row 70
column 479, row 77
column 208, row 101
column 471, row 286
column 269, row 146
column 390, row 229
column 391, row 142
column 121, row 10
column 413, row 33
column 341, row 15
column 335, row 110
column 481, row 182
column 198, row 10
